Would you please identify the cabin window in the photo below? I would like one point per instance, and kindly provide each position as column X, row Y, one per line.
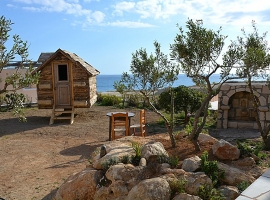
column 62, row 73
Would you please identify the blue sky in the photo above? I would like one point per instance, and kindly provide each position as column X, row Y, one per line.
column 106, row 32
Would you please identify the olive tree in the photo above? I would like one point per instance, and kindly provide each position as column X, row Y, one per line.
column 254, row 61
column 198, row 51
column 148, row 74
column 17, row 80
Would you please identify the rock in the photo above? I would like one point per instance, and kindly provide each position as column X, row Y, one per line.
column 103, row 151
column 142, row 162
column 229, row 192
column 234, row 176
column 82, row 185
column 115, row 150
column 185, row 196
column 256, row 171
column 151, row 189
column 206, row 139
column 124, row 172
column 191, row 164
column 225, row 151
column 195, row 180
column 245, row 162
column 153, row 148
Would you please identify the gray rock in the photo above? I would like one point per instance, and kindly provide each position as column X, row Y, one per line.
column 191, row 164
column 151, row 189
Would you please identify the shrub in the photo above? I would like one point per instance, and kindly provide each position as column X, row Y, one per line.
column 126, row 159
column 245, row 149
column 242, row 186
column 207, row 192
column 171, row 160
column 110, row 162
column 177, row 186
column 210, row 168
column 108, row 100
column 135, row 160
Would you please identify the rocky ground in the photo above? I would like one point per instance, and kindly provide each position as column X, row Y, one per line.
column 36, row 158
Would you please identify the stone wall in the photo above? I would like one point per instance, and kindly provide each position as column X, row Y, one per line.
column 235, row 107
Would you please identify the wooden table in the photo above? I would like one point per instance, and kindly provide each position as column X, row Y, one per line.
column 109, row 114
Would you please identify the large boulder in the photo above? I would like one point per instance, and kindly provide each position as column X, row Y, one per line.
column 229, row 192
column 191, row 164
column 206, row 139
column 82, row 185
column 114, row 150
column 225, row 150
column 151, row 189
column 234, row 176
column 195, row 180
column 153, row 148
column 125, row 172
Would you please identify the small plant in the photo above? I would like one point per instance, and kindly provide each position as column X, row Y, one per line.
column 210, row 168
column 177, row 186
column 108, row 163
column 242, row 186
column 171, row 160
column 188, row 128
column 137, row 148
column 207, row 192
column 245, row 149
column 126, row 159
column 135, row 160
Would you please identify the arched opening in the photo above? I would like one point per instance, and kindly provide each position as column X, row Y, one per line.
column 241, row 107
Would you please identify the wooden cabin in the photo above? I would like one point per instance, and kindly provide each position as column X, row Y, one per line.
column 66, row 82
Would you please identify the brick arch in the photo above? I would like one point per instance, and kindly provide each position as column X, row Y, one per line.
column 226, row 101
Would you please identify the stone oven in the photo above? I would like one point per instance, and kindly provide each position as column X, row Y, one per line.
column 235, row 105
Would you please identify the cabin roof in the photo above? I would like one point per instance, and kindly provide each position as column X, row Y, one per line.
column 49, row 56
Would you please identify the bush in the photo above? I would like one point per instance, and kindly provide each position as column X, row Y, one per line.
column 177, row 186
column 135, row 160
column 242, row 186
column 210, row 168
column 108, row 100
column 207, row 192
column 110, row 162
column 171, row 160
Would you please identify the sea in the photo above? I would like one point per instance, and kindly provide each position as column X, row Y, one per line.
column 105, row 82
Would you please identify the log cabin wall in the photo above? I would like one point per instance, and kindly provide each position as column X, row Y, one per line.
column 45, row 88
column 81, row 87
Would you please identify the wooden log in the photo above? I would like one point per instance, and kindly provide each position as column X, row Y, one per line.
column 80, row 103
column 45, row 86
column 79, row 84
column 45, row 102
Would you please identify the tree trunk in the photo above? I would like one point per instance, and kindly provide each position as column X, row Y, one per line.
column 197, row 130
column 196, row 144
column 167, row 123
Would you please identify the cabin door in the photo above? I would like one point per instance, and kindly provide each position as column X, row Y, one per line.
column 62, row 85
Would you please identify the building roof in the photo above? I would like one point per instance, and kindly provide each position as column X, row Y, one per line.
column 44, row 56
column 47, row 57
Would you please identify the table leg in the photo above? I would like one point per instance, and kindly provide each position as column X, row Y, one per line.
column 110, row 128
column 129, row 125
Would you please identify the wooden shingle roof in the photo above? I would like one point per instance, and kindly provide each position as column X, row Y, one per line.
column 47, row 57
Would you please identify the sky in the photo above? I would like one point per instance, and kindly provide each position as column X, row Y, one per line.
column 105, row 33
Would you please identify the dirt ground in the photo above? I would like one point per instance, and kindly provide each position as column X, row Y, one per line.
column 35, row 157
